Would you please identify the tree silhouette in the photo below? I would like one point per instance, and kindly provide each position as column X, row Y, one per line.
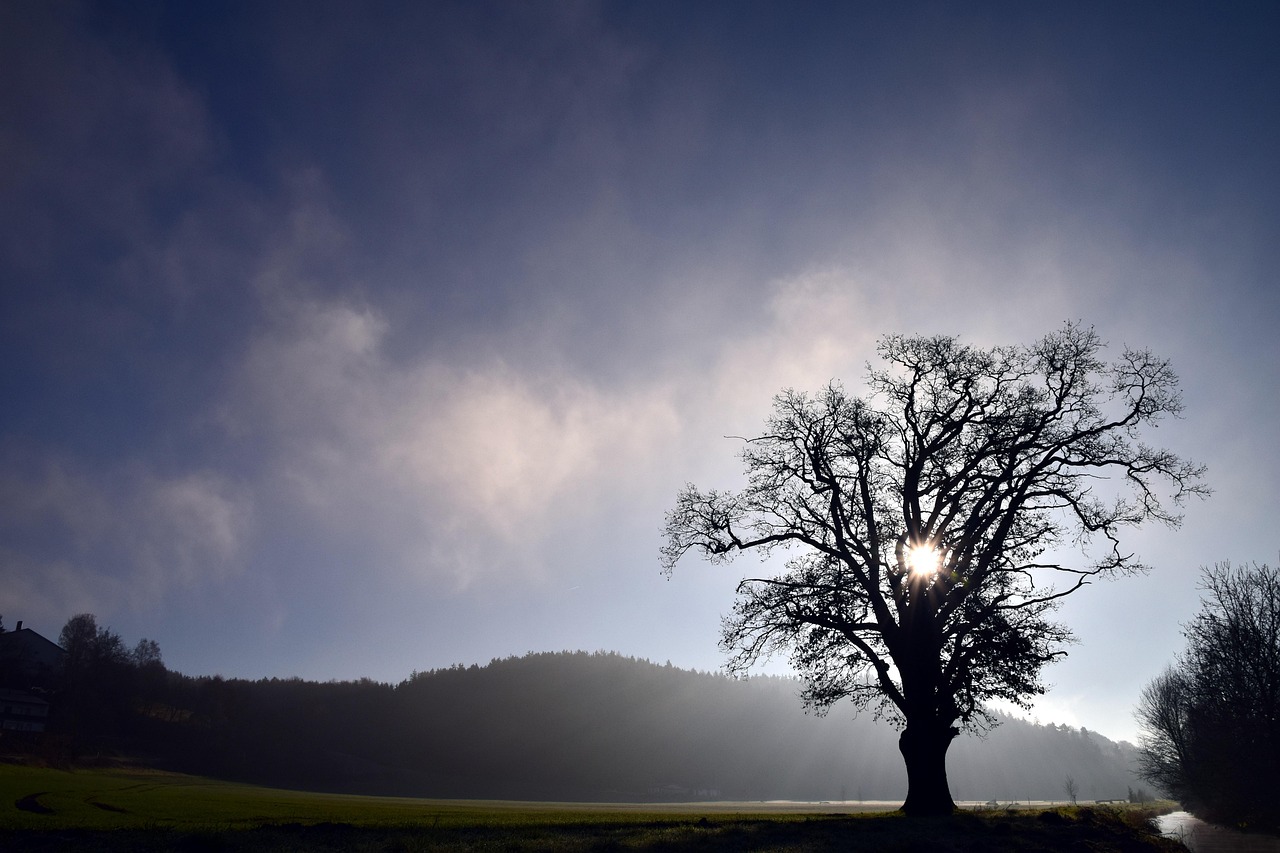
column 925, row 522
column 1211, row 725
column 97, row 679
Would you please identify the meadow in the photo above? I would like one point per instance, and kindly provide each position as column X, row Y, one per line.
column 44, row 809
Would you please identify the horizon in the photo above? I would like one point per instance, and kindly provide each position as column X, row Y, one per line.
column 343, row 342
column 998, row 709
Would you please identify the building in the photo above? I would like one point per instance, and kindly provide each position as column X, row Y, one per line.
column 21, row 711
column 29, row 660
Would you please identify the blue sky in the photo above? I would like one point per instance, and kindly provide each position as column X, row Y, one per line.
column 344, row 340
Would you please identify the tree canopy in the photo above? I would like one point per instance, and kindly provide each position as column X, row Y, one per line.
column 929, row 525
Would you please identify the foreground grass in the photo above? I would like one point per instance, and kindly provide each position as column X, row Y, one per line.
column 108, row 810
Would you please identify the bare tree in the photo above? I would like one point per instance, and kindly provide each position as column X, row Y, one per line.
column 924, row 525
column 146, row 654
column 1211, row 724
column 88, row 646
column 1164, row 757
column 1071, row 788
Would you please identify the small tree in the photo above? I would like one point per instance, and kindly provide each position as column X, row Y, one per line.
column 1211, row 724
column 921, row 523
column 1072, row 790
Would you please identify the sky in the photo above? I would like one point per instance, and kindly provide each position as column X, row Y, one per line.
column 344, row 340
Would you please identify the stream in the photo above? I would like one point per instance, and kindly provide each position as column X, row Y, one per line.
column 1201, row 837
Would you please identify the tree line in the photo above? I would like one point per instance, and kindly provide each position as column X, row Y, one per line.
column 557, row 726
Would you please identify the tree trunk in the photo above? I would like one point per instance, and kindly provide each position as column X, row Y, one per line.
column 924, row 748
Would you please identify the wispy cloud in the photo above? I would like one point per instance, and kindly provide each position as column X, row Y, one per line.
column 92, row 537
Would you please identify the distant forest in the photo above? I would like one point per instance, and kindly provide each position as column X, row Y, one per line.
column 553, row 726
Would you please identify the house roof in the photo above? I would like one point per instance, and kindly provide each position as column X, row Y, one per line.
column 25, row 641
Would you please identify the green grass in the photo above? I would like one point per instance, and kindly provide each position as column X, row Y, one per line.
column 146, row 810
column 149, row 799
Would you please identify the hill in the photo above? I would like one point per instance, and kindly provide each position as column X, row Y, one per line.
column 588, row 727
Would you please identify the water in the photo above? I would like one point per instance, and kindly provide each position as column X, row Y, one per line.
column 1201, row 837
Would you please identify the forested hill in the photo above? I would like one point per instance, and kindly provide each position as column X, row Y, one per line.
column 584, row 726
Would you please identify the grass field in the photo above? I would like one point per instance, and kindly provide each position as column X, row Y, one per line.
column 43, row 809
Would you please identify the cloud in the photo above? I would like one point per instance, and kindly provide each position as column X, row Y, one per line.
column 198, row 524
column 473, row 462
column 451, row 470
column 99, row 135
column 84, row 537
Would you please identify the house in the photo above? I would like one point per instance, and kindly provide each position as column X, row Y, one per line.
column 21, row 711
column 28, row 660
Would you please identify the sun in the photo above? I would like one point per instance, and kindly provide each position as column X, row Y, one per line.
column 923, row 560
